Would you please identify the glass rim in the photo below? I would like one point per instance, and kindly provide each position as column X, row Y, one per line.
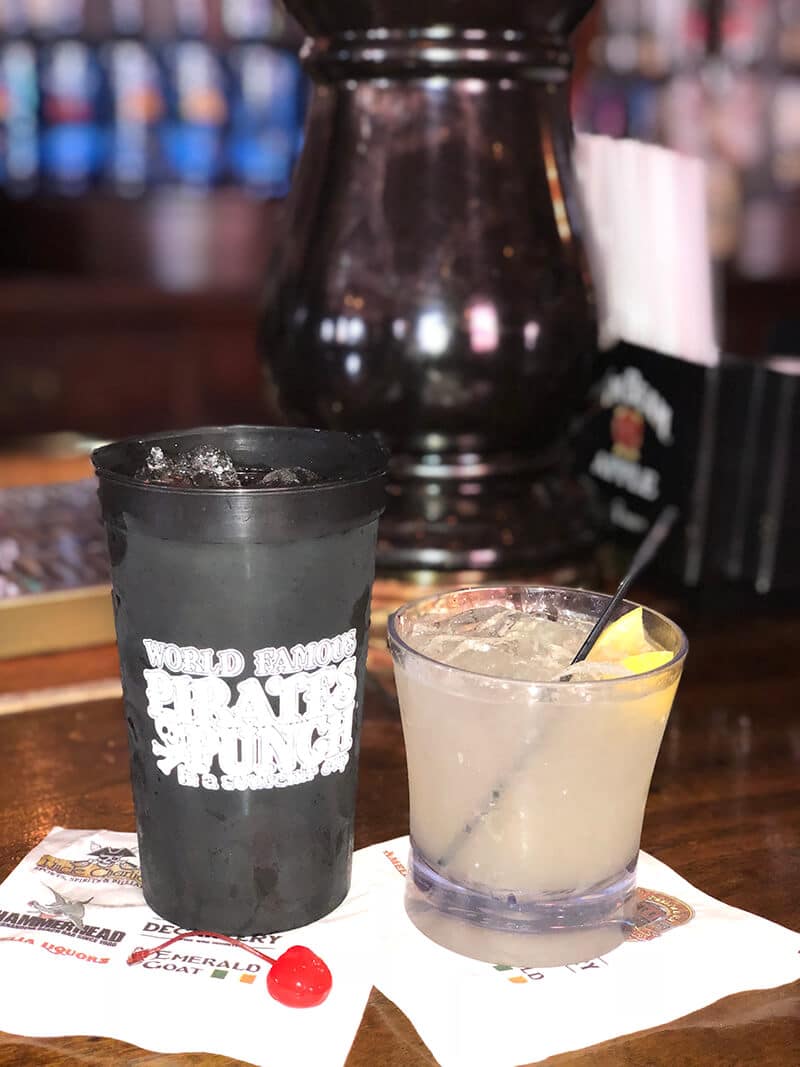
column 393, row 637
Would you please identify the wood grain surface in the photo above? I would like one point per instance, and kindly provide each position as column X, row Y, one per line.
column 724, row 811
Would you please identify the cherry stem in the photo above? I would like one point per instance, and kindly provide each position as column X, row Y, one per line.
column 143, row 953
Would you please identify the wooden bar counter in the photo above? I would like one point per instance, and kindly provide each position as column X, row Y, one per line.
column 724, row 811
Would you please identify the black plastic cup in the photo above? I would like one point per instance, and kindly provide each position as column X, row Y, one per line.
column 242, row 618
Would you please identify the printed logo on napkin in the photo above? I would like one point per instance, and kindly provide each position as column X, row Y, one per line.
column 288, row 720
column 96, row 865
column 78, row 887
column 74, row 881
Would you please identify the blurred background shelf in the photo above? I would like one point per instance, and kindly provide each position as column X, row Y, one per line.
column 171, row 239
column 124, row 316
column 126, row 310
column 112, row 359
column 128, row 306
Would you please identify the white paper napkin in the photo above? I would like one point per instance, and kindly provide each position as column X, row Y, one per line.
column 63, row 961
column 693, row 951
column 60, row 978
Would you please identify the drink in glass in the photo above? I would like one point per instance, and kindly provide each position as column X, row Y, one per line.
column 527, row 777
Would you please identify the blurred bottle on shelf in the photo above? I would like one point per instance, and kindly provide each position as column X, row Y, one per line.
column 718, row 79
column 134, row 94
column 789, row 32
column 19, row 102
column 266, row 99
column 754, row 137
column 253, row 20
column 72, row 141
column 197, row 104
column 747, row 32
column 137, row 101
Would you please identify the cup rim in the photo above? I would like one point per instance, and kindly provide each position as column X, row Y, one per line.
column 394, row 638
column 100, row 457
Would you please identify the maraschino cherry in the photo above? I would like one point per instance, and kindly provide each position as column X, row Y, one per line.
column 298, row 978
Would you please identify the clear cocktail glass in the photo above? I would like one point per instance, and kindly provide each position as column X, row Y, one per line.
column 527, row 798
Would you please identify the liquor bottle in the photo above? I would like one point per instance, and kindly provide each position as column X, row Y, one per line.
column 197, row 108
column 72, row 142
column 19, row 103
column 137, row 101
column 266, row 101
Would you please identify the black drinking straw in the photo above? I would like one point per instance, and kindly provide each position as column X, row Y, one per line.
column 645, row 553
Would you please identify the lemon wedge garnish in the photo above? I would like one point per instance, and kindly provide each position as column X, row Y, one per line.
column 646, row 661
column 623, row 637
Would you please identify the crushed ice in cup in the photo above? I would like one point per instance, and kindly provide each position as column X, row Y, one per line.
column 206, row 467
column 209, row 468
column 203, row 467
column 156, row 465
column 288, row 478
column 508, row 643
column 594, row 672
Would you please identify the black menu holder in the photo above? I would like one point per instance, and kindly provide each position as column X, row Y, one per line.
column 720, row 442
column 757, row 524
column 647, row 440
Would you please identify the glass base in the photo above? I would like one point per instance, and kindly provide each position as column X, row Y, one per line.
column 532, row 931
